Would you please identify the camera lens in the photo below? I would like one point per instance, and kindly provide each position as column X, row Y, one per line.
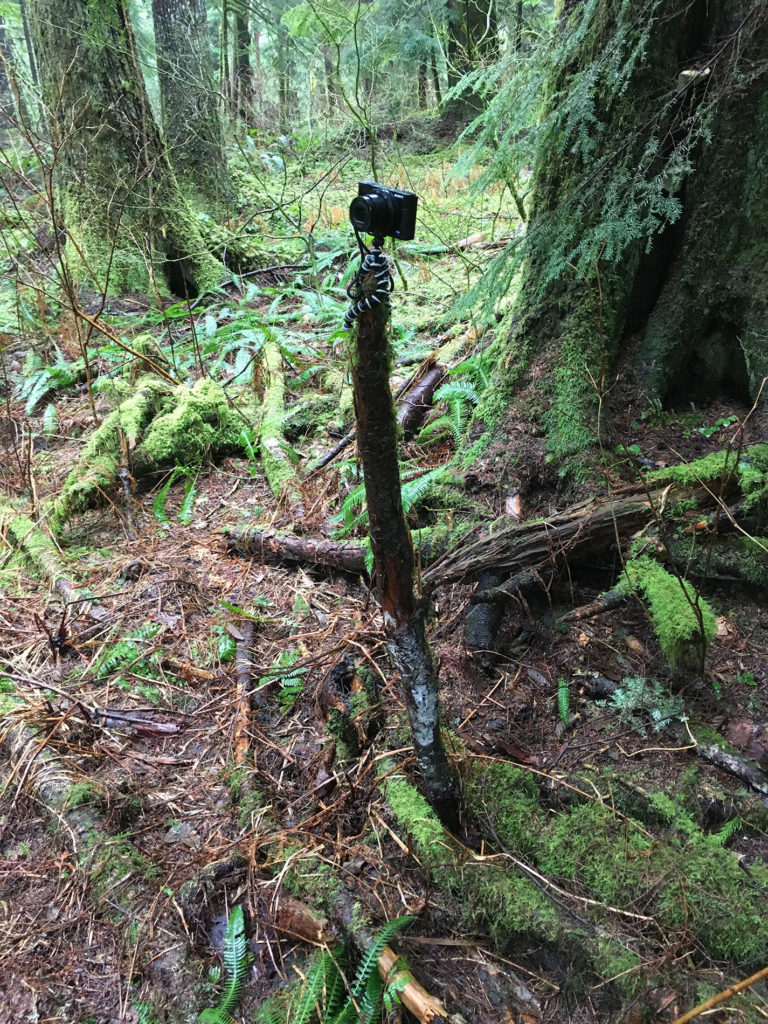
column 370, row 213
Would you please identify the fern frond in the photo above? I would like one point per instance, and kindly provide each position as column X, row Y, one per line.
column 463, row 389
column 369, row 963
column 563, row 700
column 416, row 490
column 145, row 1013
column 237, row 960
column 188, row 501
column 158, row 505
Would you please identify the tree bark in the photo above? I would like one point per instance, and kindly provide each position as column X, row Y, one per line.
column 695, row 291
column 243, row 85
column 191, row 125
column 377, row 441
column 126, row 220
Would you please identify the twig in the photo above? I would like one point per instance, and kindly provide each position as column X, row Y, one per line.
column 732, row 990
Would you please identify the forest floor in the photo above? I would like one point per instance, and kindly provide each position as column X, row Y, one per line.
column 182, row 698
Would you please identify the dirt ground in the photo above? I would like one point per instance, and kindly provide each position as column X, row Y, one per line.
column 196, row 812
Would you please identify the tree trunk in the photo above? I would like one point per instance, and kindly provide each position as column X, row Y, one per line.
column 191, row 124
column 119, row 199
column 436, row 79
column 472, row 41
column 607, row 260
column 377, row 441
column 243, row 71
column 421, row 85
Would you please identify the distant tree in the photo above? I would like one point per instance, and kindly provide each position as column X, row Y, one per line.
column 241, row 66
column 473, row 41
column 117, row 195
column 191, row 124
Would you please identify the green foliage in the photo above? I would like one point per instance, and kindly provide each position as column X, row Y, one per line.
column 683, row 621
column 324, row 997
column 641, row 701
column 237, row 960
column 291, row 678
column 39, row 380
column 563, row 700
column 128, row 653
column 188, row 501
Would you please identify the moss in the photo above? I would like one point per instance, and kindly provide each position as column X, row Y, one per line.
column 278, row 468
column 683, row 621
column 84, row 793
column 39, row 549
column 506, row 902
column 106, row 862
column 688, row 881
column 199, row 419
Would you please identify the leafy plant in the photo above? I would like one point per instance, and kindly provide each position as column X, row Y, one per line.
column 39, row 380
column 729, row 829
column 563, row 700
column 128, row 652
column 187, row 502
column 237, row 960
column 639, row 700
column 324, row 998
column 290, row 678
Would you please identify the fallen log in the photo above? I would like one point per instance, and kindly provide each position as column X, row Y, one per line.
column 276, row 547
column 419, row 401
column 514, row 547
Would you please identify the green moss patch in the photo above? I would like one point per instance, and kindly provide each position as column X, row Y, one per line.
column 683, row 621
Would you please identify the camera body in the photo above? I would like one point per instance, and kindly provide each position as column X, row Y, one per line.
column 384, row 212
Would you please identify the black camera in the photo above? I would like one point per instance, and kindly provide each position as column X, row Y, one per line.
column 381, row 211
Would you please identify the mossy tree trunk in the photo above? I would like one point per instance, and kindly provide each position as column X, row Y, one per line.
column 118, row 197
column 648, row 216
column 191, row 124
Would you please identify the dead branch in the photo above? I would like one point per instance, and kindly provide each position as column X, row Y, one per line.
column 749, row 773
column 413, row 410
column 727, row 993
column 243, row 677
column 275, row 547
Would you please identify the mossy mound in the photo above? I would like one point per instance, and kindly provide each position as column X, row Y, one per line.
column 154, row 426
column 683, row 621
column 685, row 880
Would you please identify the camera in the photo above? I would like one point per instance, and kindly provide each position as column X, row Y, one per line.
column 381, row 211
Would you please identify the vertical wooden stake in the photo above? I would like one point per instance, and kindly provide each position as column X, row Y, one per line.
column 377, row 443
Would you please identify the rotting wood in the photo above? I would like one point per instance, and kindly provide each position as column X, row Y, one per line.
column 377, row 442
column 753, row 776
column 275, row 546
column 419, row 400
column 243, row 678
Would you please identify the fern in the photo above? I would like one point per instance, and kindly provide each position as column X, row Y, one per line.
column 50, row 419
column 237, row 960
column 158, row 505
column 125, row 652
column 725, row 833
column 563, row 700
column 324, row 997
column 145, row 1013
column 188, row 501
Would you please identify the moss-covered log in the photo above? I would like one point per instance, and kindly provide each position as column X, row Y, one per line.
column 273, row 448
column 161, row 426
